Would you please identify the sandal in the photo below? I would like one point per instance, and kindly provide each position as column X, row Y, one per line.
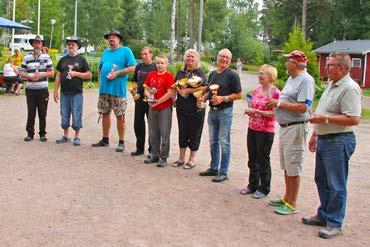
column 178, row 163
column 189, row 166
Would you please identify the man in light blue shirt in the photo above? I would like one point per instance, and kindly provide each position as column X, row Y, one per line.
column 292, row 114
column 116, row 63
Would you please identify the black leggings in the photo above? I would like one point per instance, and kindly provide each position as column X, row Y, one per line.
column 190, row 128
column 259, row 149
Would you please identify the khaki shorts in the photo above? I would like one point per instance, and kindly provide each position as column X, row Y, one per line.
column 107, row 102
column 292, row 147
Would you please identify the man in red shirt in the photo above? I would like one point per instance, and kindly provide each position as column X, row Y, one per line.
column 160, row 114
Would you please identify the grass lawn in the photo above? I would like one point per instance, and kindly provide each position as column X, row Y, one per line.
column 366, row 92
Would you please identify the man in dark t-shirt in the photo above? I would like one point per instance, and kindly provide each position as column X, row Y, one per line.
column 142, row 107
column 72, row 69
column 220, row 115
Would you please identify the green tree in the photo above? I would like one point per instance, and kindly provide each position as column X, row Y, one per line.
column 296, row 41
column 131, row 24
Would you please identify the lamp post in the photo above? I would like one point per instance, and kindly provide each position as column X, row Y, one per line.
column 75, row 29
column 52, row 22
column 14, row 2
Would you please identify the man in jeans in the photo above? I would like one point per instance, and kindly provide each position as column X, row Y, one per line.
column 333, row 140
column 37, row 68
column 221, row 114
column 72, row 69
column 115, row 64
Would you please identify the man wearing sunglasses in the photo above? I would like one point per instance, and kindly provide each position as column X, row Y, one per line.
column 292, row 114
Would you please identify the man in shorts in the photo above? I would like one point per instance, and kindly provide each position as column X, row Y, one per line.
column 115, row 64
column 292, row 114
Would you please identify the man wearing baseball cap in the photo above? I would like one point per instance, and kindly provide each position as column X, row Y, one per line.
column 116, row 63
column 292, row 114
column 37, row 68
column 72, row 69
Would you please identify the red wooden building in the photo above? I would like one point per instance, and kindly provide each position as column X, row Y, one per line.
column 359, row 50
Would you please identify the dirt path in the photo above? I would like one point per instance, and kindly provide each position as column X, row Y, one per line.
column 60, row 195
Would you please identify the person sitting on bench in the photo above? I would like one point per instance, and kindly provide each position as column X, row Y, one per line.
column 13, row 81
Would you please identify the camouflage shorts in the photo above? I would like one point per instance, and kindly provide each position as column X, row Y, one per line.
column 107, row 102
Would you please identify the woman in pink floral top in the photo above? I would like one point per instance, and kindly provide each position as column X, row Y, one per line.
column 261, row 133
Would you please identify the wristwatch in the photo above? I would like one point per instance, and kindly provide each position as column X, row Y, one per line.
column 326, row 119
column 227, row 99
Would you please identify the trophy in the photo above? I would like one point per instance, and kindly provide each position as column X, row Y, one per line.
column 113, row 69
column 200, row 104
column 214, row 88
column 195, row 81
column 37, row 73
column 132, row 88
column 70, row 67
column 181, row 84
column 152, row 91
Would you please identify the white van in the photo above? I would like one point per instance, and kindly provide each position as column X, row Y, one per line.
column 22, row 42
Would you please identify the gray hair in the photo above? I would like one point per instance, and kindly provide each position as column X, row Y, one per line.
column 301, row 65
column 197, row 56
column 342, row 58
column 227, row 51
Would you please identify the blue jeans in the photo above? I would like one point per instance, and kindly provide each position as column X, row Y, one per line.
column 71, row 105
column 219, row 124
column 331, row 172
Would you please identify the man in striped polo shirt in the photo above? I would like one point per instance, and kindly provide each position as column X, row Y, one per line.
column 37, row 68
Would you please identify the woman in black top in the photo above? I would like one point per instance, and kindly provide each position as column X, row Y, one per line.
column 190, row 118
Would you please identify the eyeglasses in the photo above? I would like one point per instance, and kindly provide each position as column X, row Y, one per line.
column 224, row 56
column 332, row 65
column 289, row 60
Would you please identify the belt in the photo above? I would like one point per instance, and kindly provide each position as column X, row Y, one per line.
column 292, row 123
column 334, row 135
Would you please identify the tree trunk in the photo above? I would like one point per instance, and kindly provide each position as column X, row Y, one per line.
column 200, row 27
column 304, row 18
column 178, row 31
column 173, row 20
column 191, row 24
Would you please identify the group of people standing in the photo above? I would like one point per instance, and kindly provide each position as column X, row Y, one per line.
column 333, row 139
column 157, row 91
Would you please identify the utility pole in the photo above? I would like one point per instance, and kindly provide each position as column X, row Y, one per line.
column 14, row 2
column 38, row 17
column 75, row 29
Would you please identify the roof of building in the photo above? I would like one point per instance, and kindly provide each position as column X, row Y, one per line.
column 349, row 46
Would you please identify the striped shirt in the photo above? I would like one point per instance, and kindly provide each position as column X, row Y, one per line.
column 31, row 64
